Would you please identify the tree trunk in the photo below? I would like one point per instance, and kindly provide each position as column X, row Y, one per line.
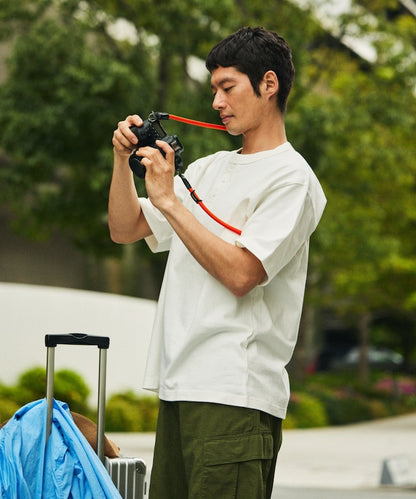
column 163, row 81
column 302, row 355
column 364, row 322
column 112, row 270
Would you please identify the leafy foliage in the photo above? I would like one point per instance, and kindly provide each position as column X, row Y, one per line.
column 321, row 400
column 129, row 412
column 339, row 399
column 58, row 113
column 68, row 387
column 307, row 411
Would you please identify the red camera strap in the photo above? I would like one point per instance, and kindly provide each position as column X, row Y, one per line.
column 191, row 190
column 198, row 201
column 196, row 123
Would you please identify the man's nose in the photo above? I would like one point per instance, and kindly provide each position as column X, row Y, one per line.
column 218, row 101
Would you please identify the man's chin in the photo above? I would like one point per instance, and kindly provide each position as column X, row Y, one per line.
column 233, row 131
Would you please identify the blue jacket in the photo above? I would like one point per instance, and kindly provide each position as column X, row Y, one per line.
column 66, row 468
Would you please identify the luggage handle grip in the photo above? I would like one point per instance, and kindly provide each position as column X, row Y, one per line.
column 52, row 340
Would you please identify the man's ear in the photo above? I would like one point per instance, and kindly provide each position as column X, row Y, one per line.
column 270, row 83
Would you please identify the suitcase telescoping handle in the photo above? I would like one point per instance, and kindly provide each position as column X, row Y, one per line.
column 102, row 342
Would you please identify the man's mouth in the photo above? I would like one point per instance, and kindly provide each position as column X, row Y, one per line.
column 226, row 118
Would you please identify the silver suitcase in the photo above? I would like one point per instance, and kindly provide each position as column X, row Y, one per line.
column 127, row 473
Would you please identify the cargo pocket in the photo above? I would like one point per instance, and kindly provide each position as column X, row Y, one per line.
column 224, row 461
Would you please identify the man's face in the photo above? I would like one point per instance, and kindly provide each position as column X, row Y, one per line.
column 234, row 97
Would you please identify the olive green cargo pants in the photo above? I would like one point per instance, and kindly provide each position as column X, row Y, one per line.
column 214, row 451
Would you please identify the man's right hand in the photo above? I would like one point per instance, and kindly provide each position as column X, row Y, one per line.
column 124, row 140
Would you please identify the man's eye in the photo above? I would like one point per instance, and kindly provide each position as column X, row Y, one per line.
column 227, row 89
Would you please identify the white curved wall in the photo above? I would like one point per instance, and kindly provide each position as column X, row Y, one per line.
column 29, row 312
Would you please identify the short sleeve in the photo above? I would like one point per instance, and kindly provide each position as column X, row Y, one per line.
column 162, row 232
column 278, row 227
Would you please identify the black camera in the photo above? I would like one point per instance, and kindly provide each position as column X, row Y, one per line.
column 147, row 134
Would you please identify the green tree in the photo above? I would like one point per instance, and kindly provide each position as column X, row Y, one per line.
column 365, row 120
column 58, row 112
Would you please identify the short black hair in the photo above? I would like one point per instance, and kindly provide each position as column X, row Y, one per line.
column 254, row 51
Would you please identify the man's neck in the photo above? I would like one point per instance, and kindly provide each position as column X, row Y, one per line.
column 265, row 138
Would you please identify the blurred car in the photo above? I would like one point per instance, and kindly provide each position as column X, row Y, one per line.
column 378, row 358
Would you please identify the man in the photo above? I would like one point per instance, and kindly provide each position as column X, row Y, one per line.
column 230, row 305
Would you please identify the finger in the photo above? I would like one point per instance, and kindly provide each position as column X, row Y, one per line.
column 167, row 149
column 149, row 152
column 121, row 142
column 125, row 127
column 134, row 119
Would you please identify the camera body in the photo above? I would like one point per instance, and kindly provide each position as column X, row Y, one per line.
column 147, row 134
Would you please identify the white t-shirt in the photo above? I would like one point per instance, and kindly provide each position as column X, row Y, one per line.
column 208, row 345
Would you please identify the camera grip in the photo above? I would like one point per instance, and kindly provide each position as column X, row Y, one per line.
column 136, row 166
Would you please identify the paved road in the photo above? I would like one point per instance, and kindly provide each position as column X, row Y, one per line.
column 342, row 462
column 302, row 493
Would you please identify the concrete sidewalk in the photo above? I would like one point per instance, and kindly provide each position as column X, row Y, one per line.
column 347, row 456
column 344, row 457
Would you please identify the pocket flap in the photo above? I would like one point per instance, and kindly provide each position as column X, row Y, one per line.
column 237, row 449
